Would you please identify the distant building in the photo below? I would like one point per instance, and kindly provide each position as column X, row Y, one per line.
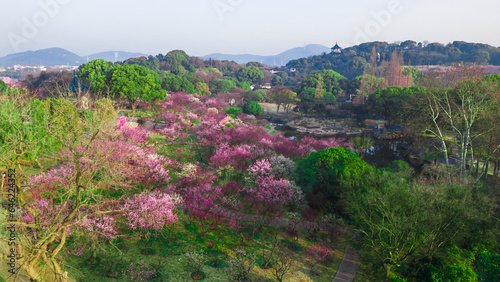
column 266, row 86
column 375, row 124
column 336, row 49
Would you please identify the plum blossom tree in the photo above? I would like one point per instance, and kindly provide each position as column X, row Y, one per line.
column 150, row 211
column 71, row 199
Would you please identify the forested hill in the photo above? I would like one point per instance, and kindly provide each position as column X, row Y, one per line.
column 352, row 61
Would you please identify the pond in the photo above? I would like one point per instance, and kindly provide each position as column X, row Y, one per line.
column 380, row 155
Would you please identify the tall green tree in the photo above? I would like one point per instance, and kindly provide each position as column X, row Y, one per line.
column 322, row 173
column 221, row 85
column 176, row 83
column 97, row 75
column 250, row 74
column 137, row 83
column 284, row 97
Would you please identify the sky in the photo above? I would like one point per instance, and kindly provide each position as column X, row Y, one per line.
column 202, row 27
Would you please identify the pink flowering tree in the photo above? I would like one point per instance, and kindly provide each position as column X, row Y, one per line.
column 96, row 163
column 267, row 194
column 318, row 253
column 150, row 211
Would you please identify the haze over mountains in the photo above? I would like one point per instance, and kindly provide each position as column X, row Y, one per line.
column 276, row 60
column 59, row 56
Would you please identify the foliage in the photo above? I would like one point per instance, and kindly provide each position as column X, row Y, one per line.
column 419, row 222
column 456, row 266
column 284, row 97
column 324, row 171
column 97, row 74
column 233, row 111
column 318, row 90
column 253, row 108
column 352, row 61
column 488, row 266
column 177, row 83
column 221, row 85
column 136, row 83
column 370, row 84
column 462, row 104
column 257, row 95
column 3, row 87
column 24, row 130
column 194, row 260
column 250, row 74
column 240, row 265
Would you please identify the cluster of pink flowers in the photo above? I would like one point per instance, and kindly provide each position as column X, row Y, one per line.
column 318, row 253
column 192, row 116
column 136, row 135
column 50, row 180
column 215, row 103
column 261, row 167
column 169, row 118
column 271, row 191
column 47, row 212
column 104, row 225
column 154, row 167
column 234, row 156
column 151, row 211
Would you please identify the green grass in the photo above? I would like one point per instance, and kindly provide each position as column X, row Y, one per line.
column 185, row 236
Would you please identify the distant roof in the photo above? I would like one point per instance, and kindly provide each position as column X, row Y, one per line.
column 336, row 47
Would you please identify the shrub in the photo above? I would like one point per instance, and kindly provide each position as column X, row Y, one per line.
column 323, row 171
column 240, row 265
column 253, row 108
column 194, row 260
column 139, row 272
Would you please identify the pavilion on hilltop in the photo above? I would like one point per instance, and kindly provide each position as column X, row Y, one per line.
column 336, row 49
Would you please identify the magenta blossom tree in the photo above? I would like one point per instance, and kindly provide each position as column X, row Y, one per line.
column 150, row 210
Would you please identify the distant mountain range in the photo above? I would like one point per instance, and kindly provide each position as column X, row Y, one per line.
column 59, row 56
column 276, row 60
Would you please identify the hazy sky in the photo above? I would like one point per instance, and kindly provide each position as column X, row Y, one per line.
column 201, row 27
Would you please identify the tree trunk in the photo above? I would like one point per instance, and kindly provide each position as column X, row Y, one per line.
column 387, row 268
column 486, row 170
column 445, row 150
column 495, row 169
column 132, row 104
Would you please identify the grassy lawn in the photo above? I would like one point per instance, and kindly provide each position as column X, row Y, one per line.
column 167, row 248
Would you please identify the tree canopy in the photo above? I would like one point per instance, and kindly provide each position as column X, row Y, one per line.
column 250, row 74
column 137, row 83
